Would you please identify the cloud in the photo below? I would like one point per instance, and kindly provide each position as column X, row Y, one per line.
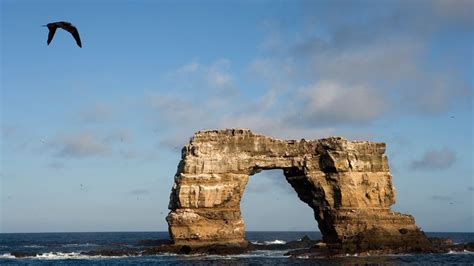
column 435, row 160
column 9, row 131
column 120, row 136
column 80, row 145
column 213, row 77
column 274, row 126
column 269, row 180
column 56, row 165
column 442, row 198
column 258, row 188
column 382, row 61
column 97, row 113
column 217, row 75
column 175, row 142
column 314, row 81
column 458, row 12
column 134, row 154
column 208, row 110
column 331, row 102
column 139, row 191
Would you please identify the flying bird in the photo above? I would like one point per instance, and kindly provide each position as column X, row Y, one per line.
column 65, row 26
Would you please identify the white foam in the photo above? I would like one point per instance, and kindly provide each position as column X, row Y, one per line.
column 7, row 256
column 33, row 246
column 460, row 252
column 80, row 245
column 69, row 255
column 272, row 242
column 263, row 253
column 275, row 242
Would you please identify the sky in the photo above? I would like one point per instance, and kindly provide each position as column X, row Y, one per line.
column 91, row 137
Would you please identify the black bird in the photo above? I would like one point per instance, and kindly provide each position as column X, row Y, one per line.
column 65, row 26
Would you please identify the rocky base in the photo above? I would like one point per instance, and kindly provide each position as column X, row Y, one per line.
column 435, row 245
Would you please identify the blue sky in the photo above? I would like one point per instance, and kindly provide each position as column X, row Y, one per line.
column 91, row 137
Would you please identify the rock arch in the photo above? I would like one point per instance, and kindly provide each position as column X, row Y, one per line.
column 346, row 183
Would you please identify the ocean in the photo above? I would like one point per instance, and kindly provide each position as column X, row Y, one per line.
column 66, row 249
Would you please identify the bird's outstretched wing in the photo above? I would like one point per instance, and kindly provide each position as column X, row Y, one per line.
column 52, row 31
column 75, row 34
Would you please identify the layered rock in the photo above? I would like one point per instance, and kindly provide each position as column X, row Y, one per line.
column 346, row 183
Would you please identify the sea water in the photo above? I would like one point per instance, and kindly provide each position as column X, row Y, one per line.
column 66, row 249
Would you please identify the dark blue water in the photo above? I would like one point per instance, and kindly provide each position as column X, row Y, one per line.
column 65, row 249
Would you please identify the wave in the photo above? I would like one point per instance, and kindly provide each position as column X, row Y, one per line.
column 60, row 256
column 263, row 253
column 34, row 246
column 272, row 242
column 80, row 245
column 7, row 256
column 460, row 252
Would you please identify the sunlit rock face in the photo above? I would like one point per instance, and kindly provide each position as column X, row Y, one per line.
column 346, row 183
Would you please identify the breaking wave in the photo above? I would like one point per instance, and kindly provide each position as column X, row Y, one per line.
column 33, row 246
column 59, row 256
column 80, row 245
column 7, row 256
column 272, row 242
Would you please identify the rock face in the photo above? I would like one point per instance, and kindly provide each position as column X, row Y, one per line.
column 346, row 183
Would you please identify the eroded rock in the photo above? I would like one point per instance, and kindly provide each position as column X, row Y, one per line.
column 346, row 183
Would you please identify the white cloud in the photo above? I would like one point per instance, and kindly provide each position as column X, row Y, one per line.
column 331, row 102
column 274, row 126
column 213, row 77
column 385, row 54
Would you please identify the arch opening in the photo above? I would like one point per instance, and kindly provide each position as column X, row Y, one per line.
column 269, row 203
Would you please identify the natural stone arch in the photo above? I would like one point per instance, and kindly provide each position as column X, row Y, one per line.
column 346, row 183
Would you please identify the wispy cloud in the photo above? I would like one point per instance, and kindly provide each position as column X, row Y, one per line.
column 56, row 165
column 269, row 180
column 123, row 136
column 329, row 102
column 435, row 160
column 135, row 154
column 442, row 198
column 97, row 113
column 215, row 76
column 79, row 145
column 364, row 69
column 313, row 82
column 139, row 191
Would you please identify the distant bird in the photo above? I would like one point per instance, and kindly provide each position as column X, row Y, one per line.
column 452, row 116
column 65, row 26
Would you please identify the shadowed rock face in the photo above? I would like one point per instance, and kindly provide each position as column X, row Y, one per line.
column 346, row 183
